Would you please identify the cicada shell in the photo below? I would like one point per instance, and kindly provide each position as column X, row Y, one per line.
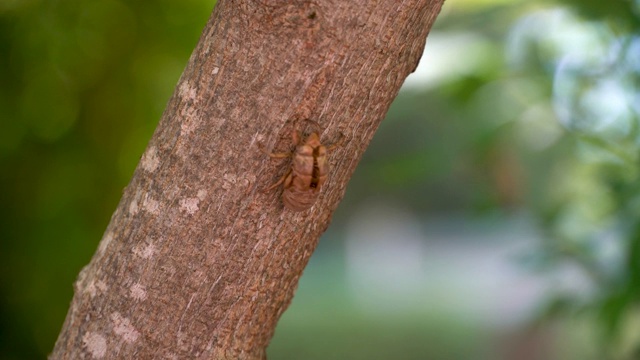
column 308, row 171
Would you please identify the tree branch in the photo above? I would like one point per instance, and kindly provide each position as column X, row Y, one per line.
column 198, row 261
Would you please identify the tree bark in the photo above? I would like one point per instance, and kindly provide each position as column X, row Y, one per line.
column 198, row 261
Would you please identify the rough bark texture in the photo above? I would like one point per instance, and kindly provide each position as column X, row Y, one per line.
column 198, row 261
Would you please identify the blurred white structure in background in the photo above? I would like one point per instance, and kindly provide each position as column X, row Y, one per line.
column 386, row 253
column 448, row 56
column 399, row 264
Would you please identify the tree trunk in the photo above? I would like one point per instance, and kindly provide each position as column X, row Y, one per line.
column 198, row 260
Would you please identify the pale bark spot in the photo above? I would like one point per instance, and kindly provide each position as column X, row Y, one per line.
column 123, row 328
column 248, row 180
column 150, row 160
column 187, row 91
column 133, row 207
column 188, row 114
column 79, row 284
column 138, row 292
column 217, row 122
column 96, row 287
column 90, row 289
column 229, row 181
column 188, row 124
column 151, row 205
column 190, row 205
column 96, row 344
column 145, row 252
column 181, row 340
column 202, row 194
column 215, row 70
column 106, row 240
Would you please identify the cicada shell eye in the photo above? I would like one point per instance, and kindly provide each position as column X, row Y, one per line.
column 314, row 125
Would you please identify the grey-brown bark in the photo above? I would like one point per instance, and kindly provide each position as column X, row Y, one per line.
column 197, row 261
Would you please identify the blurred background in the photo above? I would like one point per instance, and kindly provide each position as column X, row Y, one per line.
column 496, row 214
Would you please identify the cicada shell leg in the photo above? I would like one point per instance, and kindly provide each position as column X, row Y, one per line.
column 284, row 178
column 273, row 155
column 336, row 144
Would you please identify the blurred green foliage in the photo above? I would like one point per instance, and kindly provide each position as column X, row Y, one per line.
column 543, row 119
